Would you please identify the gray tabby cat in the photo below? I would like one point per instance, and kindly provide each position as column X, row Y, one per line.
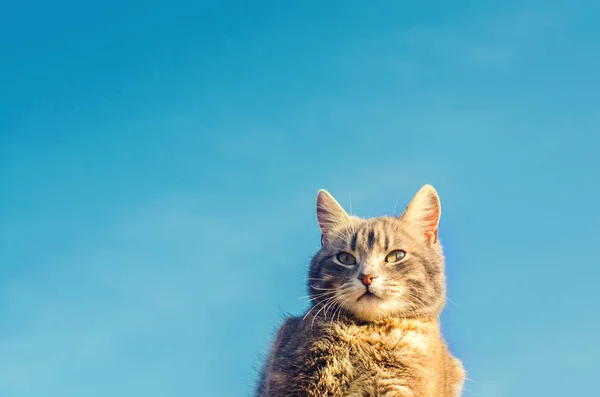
column 377, row 288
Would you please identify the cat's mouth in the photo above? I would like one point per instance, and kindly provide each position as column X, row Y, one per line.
column 368, row 295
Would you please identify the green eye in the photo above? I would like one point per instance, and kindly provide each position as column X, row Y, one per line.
column 346, row 259
column 395, row 256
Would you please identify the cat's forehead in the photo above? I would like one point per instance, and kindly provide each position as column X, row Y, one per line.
column 372, row 234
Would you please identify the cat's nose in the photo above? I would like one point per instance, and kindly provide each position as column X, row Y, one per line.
column 367, row 279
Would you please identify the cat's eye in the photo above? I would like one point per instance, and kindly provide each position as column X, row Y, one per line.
column 395, row 256
column 346, row 259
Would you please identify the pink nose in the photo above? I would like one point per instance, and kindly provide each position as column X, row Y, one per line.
column 367, row 279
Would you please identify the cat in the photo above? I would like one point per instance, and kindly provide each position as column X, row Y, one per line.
column 377, row 288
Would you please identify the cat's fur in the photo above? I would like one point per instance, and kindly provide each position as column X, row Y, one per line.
column 387, row 343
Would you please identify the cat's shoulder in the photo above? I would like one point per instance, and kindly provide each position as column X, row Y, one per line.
column 289, row 327
column 286, row 334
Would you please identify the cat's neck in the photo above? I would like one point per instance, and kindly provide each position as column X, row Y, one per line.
column 345, row 319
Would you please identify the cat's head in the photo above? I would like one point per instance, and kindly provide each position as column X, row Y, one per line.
column 380, row 267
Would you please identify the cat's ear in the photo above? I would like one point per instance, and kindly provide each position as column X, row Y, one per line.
column 329, row 212
column 424, row 211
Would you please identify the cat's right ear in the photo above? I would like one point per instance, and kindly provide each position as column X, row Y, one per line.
column 424, row 212
column 329, row 212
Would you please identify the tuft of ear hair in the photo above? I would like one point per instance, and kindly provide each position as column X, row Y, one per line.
column 329, row 212
column 423, row 212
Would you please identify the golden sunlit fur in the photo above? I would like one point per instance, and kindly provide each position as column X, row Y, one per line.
column 375, row 338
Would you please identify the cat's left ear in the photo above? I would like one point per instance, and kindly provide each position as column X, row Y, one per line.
column 329, row 212
column 424, row 212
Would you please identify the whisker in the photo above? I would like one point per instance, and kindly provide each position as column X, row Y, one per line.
column 341, row 290
column 316, row 296
column 327, row 310
column 395, row 205
column 340, row 308
column 314, row 306
column 320, row 310
column 319, row 289
column 451, row 301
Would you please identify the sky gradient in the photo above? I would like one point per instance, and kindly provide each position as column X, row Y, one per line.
column 159, row 164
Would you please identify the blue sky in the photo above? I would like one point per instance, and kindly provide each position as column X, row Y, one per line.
column 159, row 163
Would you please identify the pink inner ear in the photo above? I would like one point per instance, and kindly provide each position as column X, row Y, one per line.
column 325, row 214
column 433, row 236
column 431, row 219
column 433, row 215
column 321, row 212
column 322, row 219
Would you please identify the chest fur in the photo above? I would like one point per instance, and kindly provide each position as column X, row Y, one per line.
column 357, row 362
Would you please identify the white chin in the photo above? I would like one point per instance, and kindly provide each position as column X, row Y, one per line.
column 369, row 308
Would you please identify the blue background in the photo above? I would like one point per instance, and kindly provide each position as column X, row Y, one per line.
column 159, row 163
